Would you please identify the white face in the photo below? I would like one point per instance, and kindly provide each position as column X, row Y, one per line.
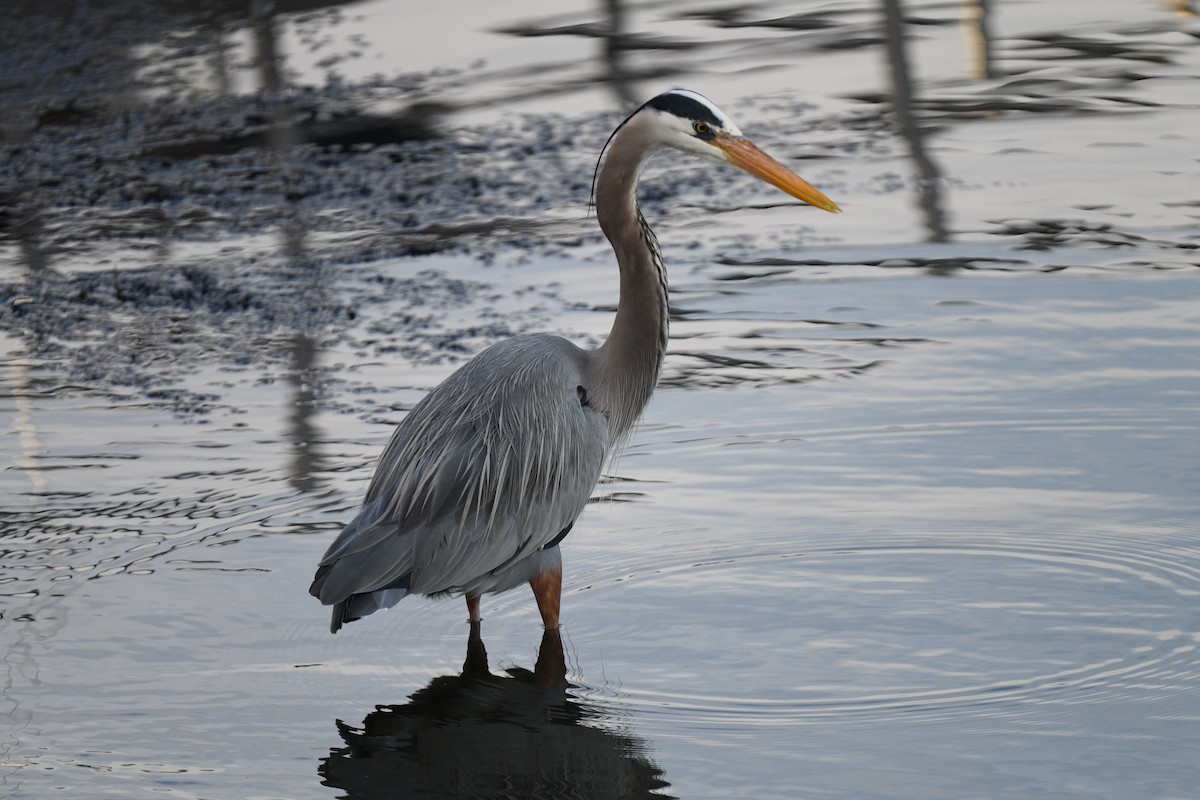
column 689, row 121
column 724, row 122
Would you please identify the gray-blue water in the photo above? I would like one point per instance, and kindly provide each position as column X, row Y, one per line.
column 913, row 514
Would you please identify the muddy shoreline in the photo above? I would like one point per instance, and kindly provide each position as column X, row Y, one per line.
column 147, row 226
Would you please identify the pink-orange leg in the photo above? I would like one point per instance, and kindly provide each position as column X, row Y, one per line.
column 547, row 590
column 473, row 608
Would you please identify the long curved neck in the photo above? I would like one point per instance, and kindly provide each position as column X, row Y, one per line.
column 629, row 361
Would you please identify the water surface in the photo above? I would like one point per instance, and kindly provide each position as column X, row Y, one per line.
column 913, row 513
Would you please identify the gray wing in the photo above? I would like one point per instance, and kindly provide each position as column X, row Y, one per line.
column 487, row 469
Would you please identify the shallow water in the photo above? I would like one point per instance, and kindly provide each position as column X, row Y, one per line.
column 912, row 514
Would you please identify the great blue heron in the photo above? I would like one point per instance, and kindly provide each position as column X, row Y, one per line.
column 485, row 476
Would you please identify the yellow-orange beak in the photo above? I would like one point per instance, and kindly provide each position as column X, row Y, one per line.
column 744, row 154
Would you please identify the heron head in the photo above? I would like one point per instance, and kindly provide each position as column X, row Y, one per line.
column 690, row 122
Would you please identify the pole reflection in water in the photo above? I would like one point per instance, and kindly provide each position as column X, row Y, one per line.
column 620, row 78
column 516, row 735
column 928, row 174
column 309, row 277
column 976, row 24
column 302, row 431
column 27, row 229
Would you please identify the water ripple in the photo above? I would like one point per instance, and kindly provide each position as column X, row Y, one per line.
column 939, row 626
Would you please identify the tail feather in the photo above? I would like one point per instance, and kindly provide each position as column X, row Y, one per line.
column 357, row 606
column 330, row 587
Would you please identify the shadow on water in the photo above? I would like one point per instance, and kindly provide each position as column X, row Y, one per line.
column 478, row 734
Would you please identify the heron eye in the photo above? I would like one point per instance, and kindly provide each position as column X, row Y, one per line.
column 700, row 128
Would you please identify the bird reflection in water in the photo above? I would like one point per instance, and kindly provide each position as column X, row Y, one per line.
column 481, row 735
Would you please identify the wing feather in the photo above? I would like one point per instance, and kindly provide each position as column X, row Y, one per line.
column 489, row 467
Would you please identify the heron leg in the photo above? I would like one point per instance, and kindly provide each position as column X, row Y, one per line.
column 473, row 608
column 547, row 590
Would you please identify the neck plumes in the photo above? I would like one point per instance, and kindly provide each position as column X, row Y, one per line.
column 629, row 361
